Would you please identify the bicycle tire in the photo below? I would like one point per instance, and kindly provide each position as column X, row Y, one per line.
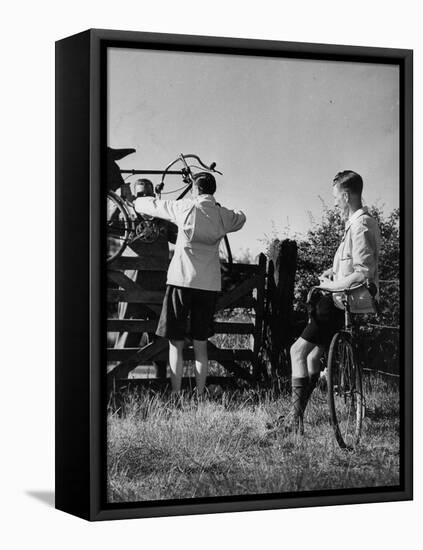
column 345, row 391
column 120, row 226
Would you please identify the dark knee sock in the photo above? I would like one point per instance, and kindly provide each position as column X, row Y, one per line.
column 313, row 379
column 312, row 383
column 302, row 388
column 299, row 396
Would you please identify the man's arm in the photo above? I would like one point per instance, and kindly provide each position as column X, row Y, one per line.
column 363, row 259
column 233, row 220
column 355, row 278
column 166, row 210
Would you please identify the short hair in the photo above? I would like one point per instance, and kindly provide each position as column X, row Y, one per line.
column 349, row 181
column 205, row 183
column 146, row 183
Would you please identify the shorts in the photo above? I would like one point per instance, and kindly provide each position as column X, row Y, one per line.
column 187, row 312
column 325, row 320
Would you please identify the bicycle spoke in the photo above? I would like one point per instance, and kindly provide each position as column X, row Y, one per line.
column 344, row 397
column 346, row 437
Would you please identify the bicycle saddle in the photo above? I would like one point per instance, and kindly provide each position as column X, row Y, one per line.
column 117, row 154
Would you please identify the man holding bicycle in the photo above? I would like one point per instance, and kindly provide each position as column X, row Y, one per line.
column 193, row 279
column 355, row 263
column 148, row 280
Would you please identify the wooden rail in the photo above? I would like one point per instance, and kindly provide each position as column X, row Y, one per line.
column 215, row 354
column 140, row 325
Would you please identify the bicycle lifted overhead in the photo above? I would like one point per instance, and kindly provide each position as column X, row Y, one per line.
column 345, row 395
column 125, row 225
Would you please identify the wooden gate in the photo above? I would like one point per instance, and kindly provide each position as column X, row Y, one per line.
column 244, row 291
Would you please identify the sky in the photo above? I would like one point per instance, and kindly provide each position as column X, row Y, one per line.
column 279, row 130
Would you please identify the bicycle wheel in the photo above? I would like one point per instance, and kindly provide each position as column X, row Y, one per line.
column 225, row 255
column 345, row 392
column 119, row 226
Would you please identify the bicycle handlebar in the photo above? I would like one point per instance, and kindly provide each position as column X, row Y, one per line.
column 186, row 171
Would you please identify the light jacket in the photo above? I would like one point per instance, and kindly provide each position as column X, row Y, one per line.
column 358, row 251
column 201, row 226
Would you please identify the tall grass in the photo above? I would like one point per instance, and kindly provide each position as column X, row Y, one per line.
column 221, row 447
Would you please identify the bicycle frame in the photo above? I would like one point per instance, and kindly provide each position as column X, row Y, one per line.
column 348, row 323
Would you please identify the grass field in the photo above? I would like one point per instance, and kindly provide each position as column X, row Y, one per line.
column 221, row 447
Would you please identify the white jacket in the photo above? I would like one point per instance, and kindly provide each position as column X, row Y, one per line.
column 358, row 251
column 201, row 226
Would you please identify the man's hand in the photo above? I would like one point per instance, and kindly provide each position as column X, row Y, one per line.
column 326, row 279
column 328, row 274
column 355, row 278
column 326, row 283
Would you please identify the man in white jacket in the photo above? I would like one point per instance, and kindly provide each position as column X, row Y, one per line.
column 193, row 279
column 355, row 262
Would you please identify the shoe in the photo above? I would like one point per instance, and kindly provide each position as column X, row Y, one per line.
column 286, row 425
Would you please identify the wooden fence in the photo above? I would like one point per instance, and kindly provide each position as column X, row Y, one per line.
column 244, row 289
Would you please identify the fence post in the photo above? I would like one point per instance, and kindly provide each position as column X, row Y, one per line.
column 279, row 304
column 259, row 369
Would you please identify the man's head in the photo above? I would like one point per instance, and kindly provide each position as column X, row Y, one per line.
column 347, row 189
column 204, row 183
column 143, row 188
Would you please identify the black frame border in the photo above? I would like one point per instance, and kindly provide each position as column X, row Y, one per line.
column 81, row 439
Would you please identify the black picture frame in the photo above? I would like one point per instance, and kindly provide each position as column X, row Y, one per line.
column 80, row 396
